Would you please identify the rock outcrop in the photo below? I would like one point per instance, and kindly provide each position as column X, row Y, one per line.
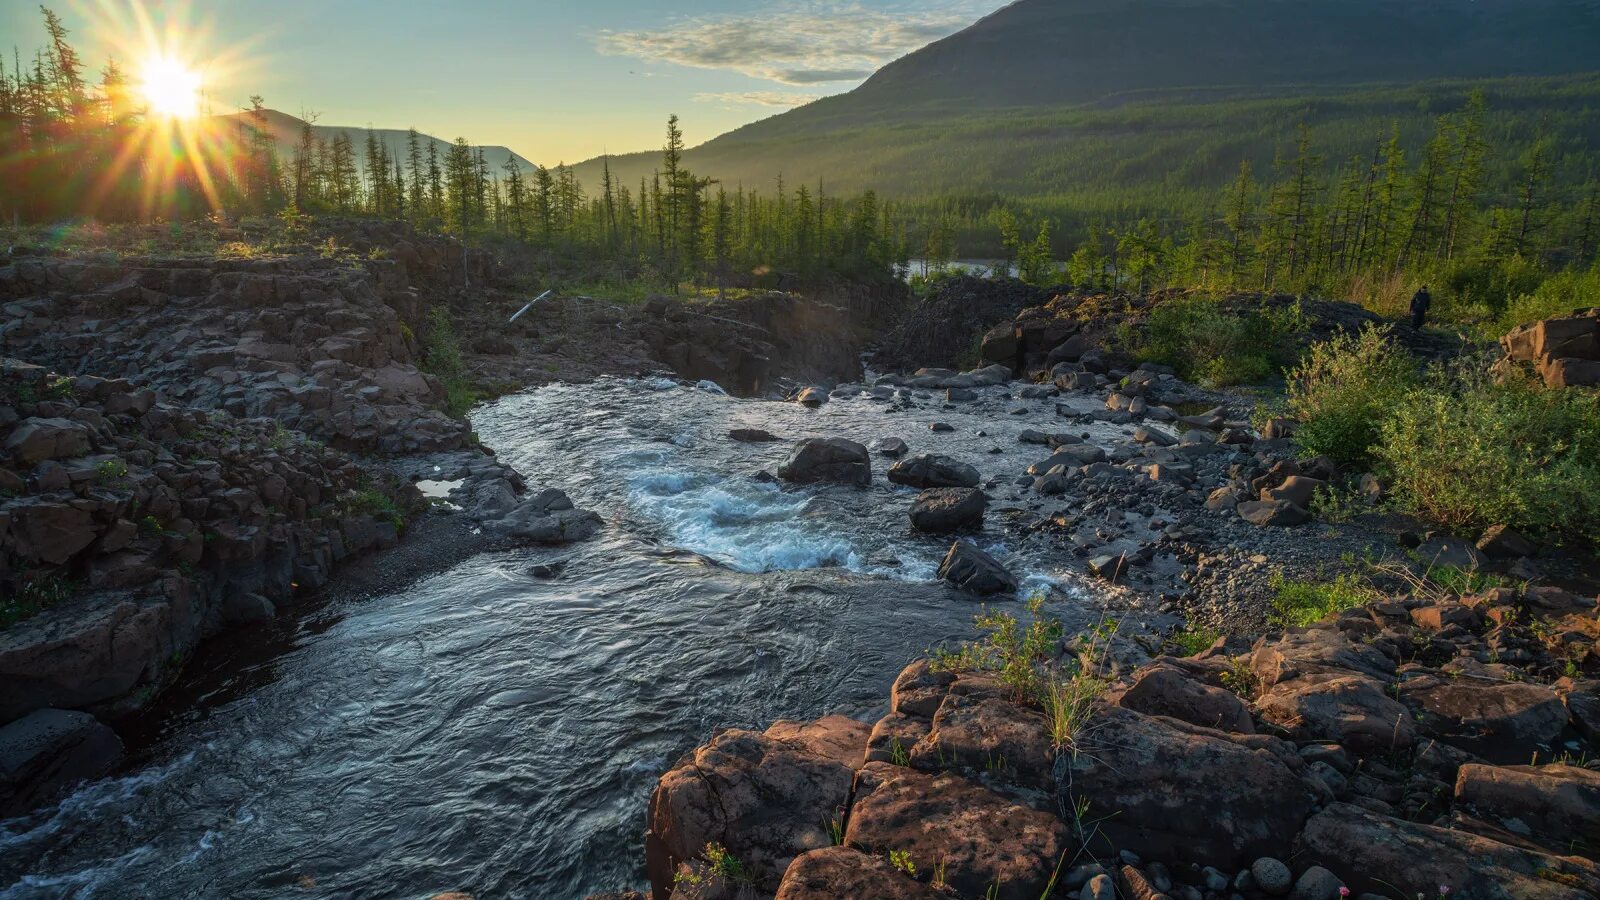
column 1564, row 352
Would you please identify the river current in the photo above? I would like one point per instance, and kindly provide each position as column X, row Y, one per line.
column 496, row 728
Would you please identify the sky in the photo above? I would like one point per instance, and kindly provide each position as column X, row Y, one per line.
column 555, row 80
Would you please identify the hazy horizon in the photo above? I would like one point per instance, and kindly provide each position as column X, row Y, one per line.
column 550, row 81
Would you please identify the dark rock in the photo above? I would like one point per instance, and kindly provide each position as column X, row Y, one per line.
column 816, row 460
column 835, row 872
column 46, row 752
column 890, row 447
column 1557, row 805
column 1504, row 542
column 967, row 567
column 927, row 470
column 1503, row 722
column 1163, row 690
column 1351, row 710
column 752, row 436
column 1272, row 513
column 943, row 510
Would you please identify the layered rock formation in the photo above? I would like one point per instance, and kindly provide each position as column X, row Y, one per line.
column 1564, row 352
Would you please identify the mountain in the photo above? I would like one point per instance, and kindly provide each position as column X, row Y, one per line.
column 285, row 131
column 1157, row 101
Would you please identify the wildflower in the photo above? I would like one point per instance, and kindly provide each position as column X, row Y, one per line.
column 1344, row 891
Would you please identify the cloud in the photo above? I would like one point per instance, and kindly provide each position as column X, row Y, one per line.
column 784, row 99
column 798, row 44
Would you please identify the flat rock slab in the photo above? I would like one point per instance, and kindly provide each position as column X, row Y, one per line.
column 47, row 751
column 1503, row 722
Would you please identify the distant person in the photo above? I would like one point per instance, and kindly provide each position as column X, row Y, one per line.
column 1420, row 303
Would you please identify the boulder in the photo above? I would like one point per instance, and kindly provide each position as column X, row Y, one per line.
column 1164, row 690
column 812, row 397
column 930, row 470
column 890, row 447
column 1504, row 722
column 1505, row 542
column 838, row 460
column 1001, row 344
column 1272, row 513
column 35, row 440
column 979, row 730
column 1566, row 373
column 1384, row 855
column 1557, row 805
column 835, row 872
column 943, row 510
column 918, row 690
column 1451, row 551
column 971, row 569
column 1177, row 792
column 46, row 752
column 752, row 436
column 766, row 799
column 1297, row 489
column 1350, row 710
column 1071, row 456
column 546, row 518
column 987, row 845
column 1315, row 650
column 49, row 532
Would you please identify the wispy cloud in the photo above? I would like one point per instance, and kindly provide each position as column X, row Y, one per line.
column 818, row 42
column 784, row 99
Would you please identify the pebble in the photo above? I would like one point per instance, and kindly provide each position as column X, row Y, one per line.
column 1100, row 887
column 1317, row 883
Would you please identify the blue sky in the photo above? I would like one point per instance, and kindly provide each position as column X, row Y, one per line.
column 553, row 79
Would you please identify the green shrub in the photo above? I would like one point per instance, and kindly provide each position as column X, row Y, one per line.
column 1302, row 603
column 1205, row 342
column 1344, row 390
column 1557, row 296
column 1467, row 453
column 33, row 596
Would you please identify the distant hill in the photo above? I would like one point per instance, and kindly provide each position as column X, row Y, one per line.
column 1119, row 104
column 285, row 130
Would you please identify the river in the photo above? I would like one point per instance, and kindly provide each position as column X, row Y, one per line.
column 497, row 730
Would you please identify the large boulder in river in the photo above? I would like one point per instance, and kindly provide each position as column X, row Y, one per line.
column 943, row 510
column 930, row 470
column 816, row 460
column 767, row 798
column 1182, row 793
column 546, row 518
column 967, row 567
column 49, row 750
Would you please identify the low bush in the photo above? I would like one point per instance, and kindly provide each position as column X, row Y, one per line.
column 1468, row 453
column 1345, row 389
column 1557, row 296
column 1205, row 342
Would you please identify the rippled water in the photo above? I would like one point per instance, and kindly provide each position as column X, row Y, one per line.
column 491, row 731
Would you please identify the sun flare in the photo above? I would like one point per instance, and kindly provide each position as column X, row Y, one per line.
column 170, row 88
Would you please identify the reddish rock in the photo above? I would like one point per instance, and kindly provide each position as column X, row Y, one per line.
column 895, row 736
column 1173, row 791
column 979, row 730
column 839, row 738
column 1272, row 513
column 918, row 690
column 1503, row 722
column 1350, row 710
column 1317, row 650
column 1164, row 690
column 1384, row 855
column 765, row 799
column 982, row 840
column 1558, row 805
column 837, row 872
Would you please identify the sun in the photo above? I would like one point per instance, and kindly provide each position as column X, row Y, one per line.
column 170, row 88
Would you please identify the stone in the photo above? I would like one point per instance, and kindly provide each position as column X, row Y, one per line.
column 1451, row 551
column 1384, row 855
column 981, row 838
column 1071, row 456
column 1316, row 883
column 766, row 799
column 815, row 460
column 1317, row 650
column 971, row 569
column 1502, row 722
column 1351, row 710
column 1297, row 489
column 929, row 470
column 752, row 436
column 49, row 532
column 1109, row 567
column 1505, row 542
column 1272, row 513
column 1186, row 794
column 918, row 690
column 547, row 517
column 835, row 872
column 1557, row 805
column 979, row 730
column 35, row 440
column 1100, row 887
column 1568, row 373
column 1164, row 690
column 46, row 752
column 890, row 447
column 812, row 397
column 1271, row 876
column 943, row 510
